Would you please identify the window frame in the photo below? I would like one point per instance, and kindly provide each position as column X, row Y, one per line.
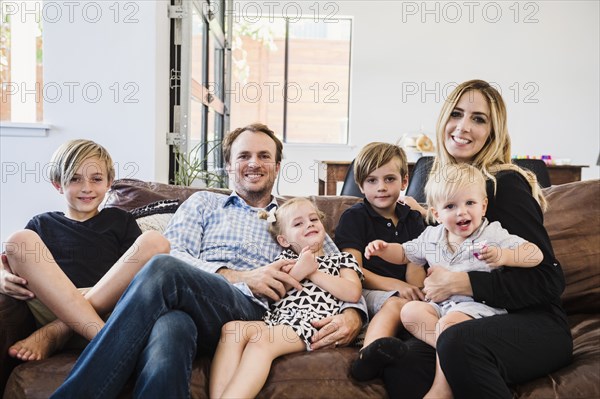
column 212, row 87
column 286, row 79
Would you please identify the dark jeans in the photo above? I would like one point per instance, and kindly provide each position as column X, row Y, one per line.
column 169, row 311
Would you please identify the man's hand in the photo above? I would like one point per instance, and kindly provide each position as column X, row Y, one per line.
column 339, row 330
column 11, row 284
column 268, row 281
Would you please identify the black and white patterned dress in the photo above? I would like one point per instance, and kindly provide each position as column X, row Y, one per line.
column 297, row 309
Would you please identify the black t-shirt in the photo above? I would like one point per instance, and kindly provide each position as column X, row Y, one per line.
column 86, row 250
column 517, row 288
column 360, row 224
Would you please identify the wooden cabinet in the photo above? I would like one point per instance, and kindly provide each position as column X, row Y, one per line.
column 561, row 174
column 332, row 172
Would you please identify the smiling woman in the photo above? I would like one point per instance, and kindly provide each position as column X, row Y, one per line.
column 472, row 129
column 468, row 127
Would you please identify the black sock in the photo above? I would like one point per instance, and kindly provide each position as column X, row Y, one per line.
column 373, row 358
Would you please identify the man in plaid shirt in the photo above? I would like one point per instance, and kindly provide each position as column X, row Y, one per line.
column 221, row 269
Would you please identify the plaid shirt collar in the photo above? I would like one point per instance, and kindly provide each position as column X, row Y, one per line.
column 235, row 200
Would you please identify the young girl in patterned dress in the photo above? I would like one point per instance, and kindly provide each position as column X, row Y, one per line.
column 246, row 350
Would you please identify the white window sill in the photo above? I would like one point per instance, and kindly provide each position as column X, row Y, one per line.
column 17, row 129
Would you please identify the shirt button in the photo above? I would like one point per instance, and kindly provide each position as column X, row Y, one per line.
column 389, row 224
column 483, row 302
column 396, row 233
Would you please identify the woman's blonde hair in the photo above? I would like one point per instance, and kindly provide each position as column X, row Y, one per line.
column 496, row 152
column 276, row 223
column 70, row 155
column 448, row 180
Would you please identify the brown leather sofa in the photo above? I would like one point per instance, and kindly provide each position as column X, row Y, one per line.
column 573, row 222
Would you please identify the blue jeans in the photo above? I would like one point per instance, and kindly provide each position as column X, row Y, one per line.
column 169, row 311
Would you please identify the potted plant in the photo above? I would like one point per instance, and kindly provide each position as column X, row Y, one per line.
column 197, row 167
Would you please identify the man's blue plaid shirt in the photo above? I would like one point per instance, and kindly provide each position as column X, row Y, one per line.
column 211, row 231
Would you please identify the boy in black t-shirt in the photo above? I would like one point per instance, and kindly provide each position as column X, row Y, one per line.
column 83, row 247
column 381, row 172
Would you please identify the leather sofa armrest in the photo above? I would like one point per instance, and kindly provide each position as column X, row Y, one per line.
column 17, row 323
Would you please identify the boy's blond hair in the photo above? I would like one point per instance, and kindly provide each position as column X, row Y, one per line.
column 448, row 180
column 70, row 155
column 276, row 225
column 374, row 156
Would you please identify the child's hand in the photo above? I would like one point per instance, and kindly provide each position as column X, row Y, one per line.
column 375, row 248
column 288, row 268
column 11, row 284
column 491, row 255
column 306, row 264
column 410, row 292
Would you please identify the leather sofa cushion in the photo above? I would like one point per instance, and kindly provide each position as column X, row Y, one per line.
column 573, row 230
column 573, row 224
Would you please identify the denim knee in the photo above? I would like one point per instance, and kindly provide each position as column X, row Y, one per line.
column 158, row 268
column 174, row 335
column 164, row 368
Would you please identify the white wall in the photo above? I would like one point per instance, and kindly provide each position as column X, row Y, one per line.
column 126, row 56
column 400, row 48
column 396, row 46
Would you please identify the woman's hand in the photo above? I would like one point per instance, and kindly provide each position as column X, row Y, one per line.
column 413, row 204
column 441, row 284
column 11, row 284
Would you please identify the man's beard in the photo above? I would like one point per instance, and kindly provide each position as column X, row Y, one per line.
column 256, row 195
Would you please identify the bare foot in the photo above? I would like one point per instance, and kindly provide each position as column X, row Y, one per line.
column 42, row 343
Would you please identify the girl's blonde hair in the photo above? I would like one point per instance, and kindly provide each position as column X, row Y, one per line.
column 70, row 155
column 495, row 154
column 276, row 223
column 448, row 180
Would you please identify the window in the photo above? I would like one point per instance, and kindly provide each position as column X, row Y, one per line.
column 228, row 70
column 21, row 62
column 292, row 75
column 198, row 117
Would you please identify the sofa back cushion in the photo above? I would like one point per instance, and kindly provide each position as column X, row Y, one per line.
column 333, row 207
column 572, row 221
column 573, row 224
column 131, row 194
